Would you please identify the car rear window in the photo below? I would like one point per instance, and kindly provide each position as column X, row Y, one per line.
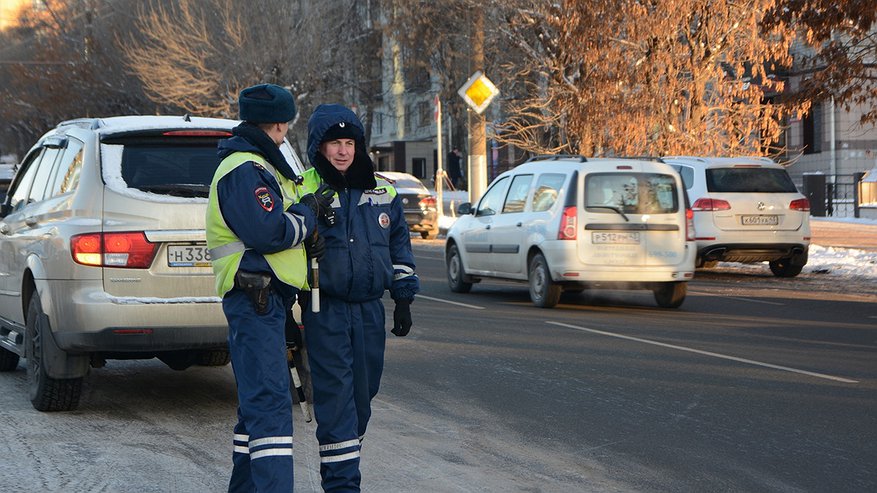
column 170, row 168
column 638, row 193
column 408, row 183
column 762, row 180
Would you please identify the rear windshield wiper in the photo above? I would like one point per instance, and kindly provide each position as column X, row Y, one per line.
column 613, row 209
column 178, row 189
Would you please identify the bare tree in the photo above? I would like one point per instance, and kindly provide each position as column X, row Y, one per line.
column 60, row 62
column 842, row 60
column 631, row 78
column 196, row 56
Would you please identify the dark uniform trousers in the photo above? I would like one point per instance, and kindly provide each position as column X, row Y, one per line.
column 345, row 344
column 262, row 455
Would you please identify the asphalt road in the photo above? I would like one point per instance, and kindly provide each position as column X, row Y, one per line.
column 752, row 385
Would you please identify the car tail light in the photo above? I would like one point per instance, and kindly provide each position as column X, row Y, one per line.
column 689, row 225
column 710, row 205
column 567, row 230
column 427, row 203
column 802, row 205
column 131, row 250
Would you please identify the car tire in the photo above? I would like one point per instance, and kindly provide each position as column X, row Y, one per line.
column 219, row 357
column 670, row 294
column 456, row 272
column 47, row 394
column 8, row 360
column 785, row 268
column 544, row 292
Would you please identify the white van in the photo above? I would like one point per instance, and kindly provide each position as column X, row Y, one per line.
column 568, row 223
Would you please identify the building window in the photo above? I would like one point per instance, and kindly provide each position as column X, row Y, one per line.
column 379, row 123
column 812, row 129
column 418, row 167
column 409, row 115
column 424, row 111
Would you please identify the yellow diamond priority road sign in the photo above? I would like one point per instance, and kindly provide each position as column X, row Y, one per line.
column 478, row 92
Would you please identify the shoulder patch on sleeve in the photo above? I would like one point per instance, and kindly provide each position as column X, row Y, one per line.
column 263, row 196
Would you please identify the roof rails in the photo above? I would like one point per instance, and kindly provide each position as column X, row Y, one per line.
column 87, row 123
column 703, row 159
column 557, row 157
column 642, row 158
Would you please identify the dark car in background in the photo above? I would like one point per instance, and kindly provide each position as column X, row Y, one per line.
column 420, row 205
column 7, row 172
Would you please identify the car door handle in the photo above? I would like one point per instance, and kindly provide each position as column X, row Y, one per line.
column 4, row 229
column 519, row 224
column 487, row 227
column 30, row 221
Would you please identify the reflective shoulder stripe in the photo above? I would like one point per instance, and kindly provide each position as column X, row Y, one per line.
column 226, row 250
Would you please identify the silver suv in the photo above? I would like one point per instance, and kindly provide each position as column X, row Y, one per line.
column 103, row 252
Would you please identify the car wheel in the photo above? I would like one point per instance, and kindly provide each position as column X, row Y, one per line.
column 8, row 360
column 456, row 273
column 544, row 292
column 670, row 294
column 785, row 268
column 46, row 393
column 214, row 358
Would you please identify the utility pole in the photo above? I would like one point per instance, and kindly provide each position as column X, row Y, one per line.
column 439, row 177
column 477, row 176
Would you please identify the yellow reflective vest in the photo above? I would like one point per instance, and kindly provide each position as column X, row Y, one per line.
column 227, row 250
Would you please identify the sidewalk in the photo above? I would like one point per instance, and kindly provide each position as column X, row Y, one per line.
column 844, row 233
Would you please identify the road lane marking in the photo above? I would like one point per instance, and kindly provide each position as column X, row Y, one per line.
column 706, row 353
column 464, row 305
column 701, row 293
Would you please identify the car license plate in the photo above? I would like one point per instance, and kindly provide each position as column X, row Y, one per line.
column 188, row 256
column 761, row 220
column 626, row 238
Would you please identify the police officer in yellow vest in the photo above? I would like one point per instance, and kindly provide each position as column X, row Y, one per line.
column 257, row 230
column 368, row 252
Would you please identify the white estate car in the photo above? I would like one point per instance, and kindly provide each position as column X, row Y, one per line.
column 571, row 223
column 746, row 209
column 103, row 252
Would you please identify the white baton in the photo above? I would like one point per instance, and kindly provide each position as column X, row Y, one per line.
column 315, row 286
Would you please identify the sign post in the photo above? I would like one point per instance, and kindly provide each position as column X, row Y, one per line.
column 477, row 92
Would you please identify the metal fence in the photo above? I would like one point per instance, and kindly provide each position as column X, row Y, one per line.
column 837, row 199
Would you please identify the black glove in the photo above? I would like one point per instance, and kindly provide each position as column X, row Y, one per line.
column 320, row 203
column 315, row 246
column 402, row 318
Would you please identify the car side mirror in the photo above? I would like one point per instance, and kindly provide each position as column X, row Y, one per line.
column 464, row 208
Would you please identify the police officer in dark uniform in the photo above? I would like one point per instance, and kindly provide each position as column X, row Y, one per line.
column 368, row 251
column 257, row 229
